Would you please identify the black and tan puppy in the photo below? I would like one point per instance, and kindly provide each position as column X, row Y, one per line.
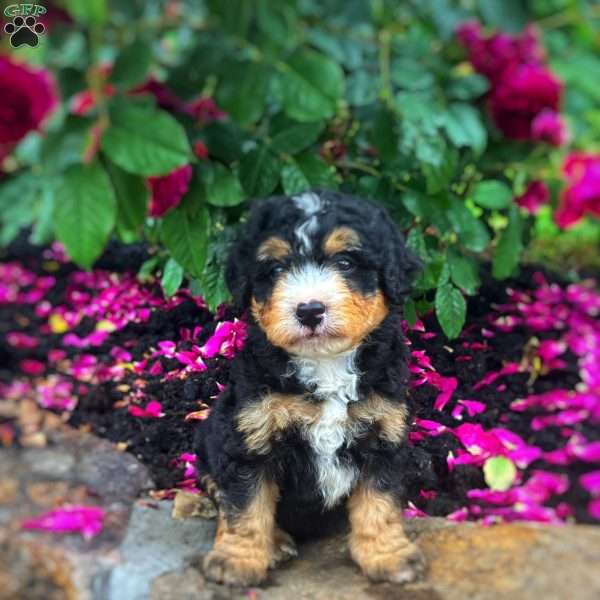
column 314, row 418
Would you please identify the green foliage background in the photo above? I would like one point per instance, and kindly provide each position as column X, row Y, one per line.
column 385, row 78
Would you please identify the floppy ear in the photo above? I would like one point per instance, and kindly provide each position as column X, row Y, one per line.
column 400, row 264
column 236, row 273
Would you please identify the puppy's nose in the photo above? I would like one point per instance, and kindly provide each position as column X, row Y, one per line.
column 310, row 313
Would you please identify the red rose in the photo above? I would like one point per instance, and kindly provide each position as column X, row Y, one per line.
column 534, row 197
column 520, row 96
column 165, row 97
column 168, row 190
column 582, row 194
column 27, row 97
column 205, row 110
column 495, row 55
column 200, row 150
column 549, row 126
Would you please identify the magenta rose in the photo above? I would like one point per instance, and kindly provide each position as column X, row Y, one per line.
column 522, row 94
column 548, row 126
column 582, row 194
column 205, row 110
column 27, row 97
column 534, row 197
column 165, row 97
column 168, row 190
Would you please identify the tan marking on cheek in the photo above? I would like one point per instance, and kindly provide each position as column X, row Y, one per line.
column 245, row 541
column 340, row 240
column 378, row 542
column 271, row 317
column 360, row 314
column 389, row 417
column 262, row 422
column 273, row 248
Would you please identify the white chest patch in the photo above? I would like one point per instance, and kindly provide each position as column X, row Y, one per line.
column 335, row 382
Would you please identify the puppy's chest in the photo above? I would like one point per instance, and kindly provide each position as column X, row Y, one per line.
column 334, row 383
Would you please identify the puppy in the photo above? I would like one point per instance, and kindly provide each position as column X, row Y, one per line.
column 314, row 420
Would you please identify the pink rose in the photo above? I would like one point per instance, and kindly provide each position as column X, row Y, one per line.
column 521, row 95
column 549, row 126
column 535, row 196
column 27, row 97
column 168, row 190
column 582, row 194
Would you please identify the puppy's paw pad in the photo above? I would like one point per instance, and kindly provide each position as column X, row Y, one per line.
column 233, row 570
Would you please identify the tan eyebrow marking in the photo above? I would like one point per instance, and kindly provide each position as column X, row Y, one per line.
column 273, row 248
column 340, row 239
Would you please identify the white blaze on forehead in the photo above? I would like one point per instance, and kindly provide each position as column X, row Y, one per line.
column 310, row 204
column 309, row 282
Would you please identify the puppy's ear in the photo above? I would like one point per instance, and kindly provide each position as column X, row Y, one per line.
column 237, row 273
column 400, row 264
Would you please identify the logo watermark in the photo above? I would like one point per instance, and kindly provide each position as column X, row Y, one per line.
column 24, row 29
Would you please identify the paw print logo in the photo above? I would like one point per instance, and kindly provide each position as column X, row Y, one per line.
column 24, row 31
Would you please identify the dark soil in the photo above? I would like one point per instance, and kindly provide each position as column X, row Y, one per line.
column 157, row 442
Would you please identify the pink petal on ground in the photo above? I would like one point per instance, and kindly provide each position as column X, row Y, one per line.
column 588, row 453
column 473, row 407
column 591, row 482
column 433, row 428
column 447, row 385
column 87, row 520
column 594, row 508
column 152, row 410
column 32, row 367
column 16, row 339
column 507, row 369
column 458, row 516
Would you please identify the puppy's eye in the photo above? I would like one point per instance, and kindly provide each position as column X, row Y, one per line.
column 276, row 269
column 344, row 264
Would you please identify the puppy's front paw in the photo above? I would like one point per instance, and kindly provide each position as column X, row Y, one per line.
column 285, row 547
column 402, row 565
column 222, row 567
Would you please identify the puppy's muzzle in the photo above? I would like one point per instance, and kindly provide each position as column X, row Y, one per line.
column 310, row 314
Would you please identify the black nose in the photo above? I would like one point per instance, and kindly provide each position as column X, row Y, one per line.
column 310, row 313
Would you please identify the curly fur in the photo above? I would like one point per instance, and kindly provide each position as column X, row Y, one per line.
column 316, row 468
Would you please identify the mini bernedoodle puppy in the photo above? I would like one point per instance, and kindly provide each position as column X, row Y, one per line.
column 313, row 422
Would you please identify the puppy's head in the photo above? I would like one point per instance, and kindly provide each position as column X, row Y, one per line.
column 319, row 271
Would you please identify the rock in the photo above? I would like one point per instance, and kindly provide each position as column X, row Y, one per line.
column 144, row 553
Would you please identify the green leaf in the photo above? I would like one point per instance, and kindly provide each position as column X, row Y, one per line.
column 17, row 198
column 243, row 93
column 147, row 269
column 499, row 473
column 172, row 277
column 410, row 312
column 411, row 74
column 91, row 12
column 471, row 232
column 145, row 141
column 416, row 242
column 259, row 172
column 311, row 85
column 464, row 127
column 438, row 178
column 362, row 89
column 43, row 227
column 492, row 194
column 85, row 212
column 470, row 87
column 384, row 135
column 450, row 309
column 318, row 173
column 509, row 249
column 223, row 188
column 211, row 286
column 507, row 15
column 296, row 137
column 185, row 231
column 132, row 199
column 132, row 64
column 464, row 272
column 293, row 180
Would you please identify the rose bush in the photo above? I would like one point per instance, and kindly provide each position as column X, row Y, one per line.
column 457, row 119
